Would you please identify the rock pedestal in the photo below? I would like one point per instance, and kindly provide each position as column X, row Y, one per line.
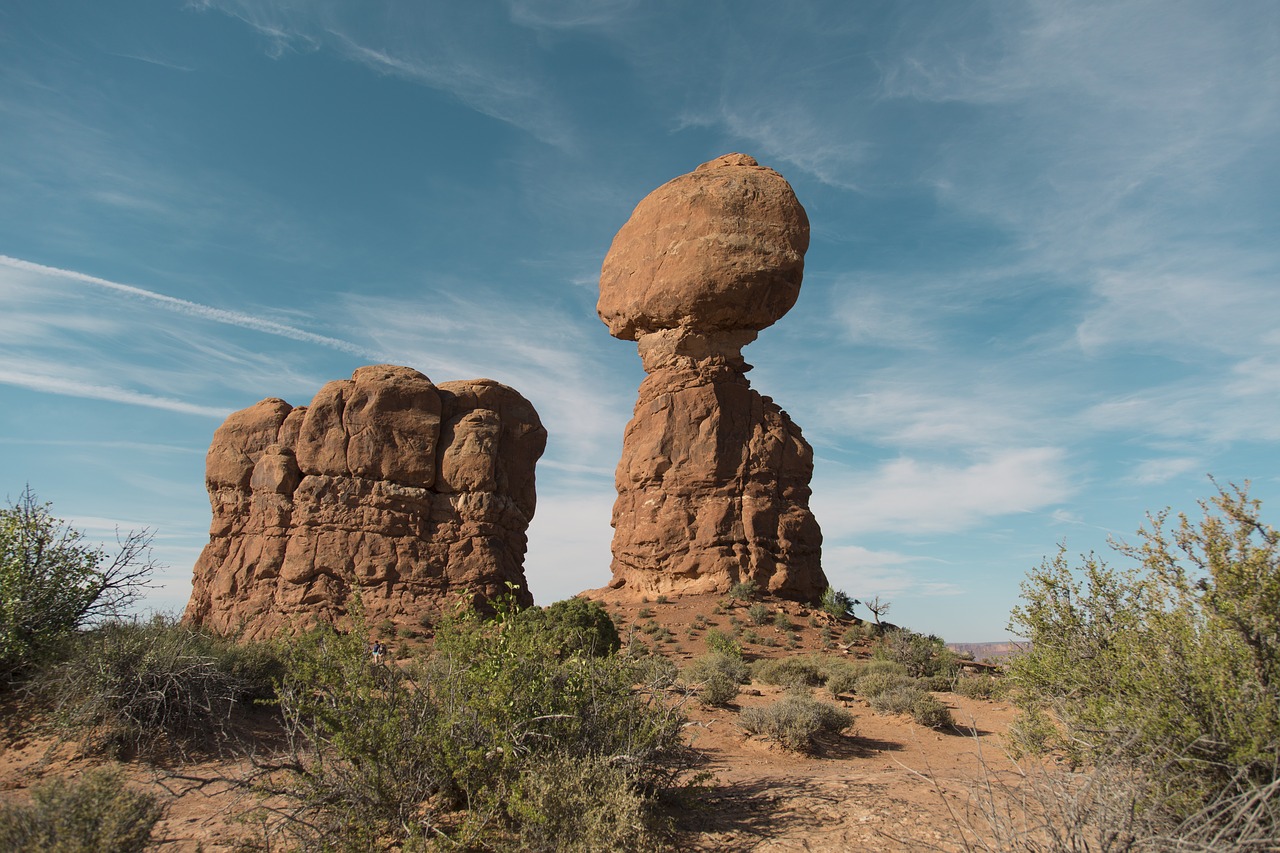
column 713, row 484
column 387, row 485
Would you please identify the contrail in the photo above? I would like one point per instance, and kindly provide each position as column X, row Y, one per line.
column 76, row 388
column 195, row 309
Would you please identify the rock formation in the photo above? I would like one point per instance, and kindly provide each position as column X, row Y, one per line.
column 406, row 491
column 713, row 485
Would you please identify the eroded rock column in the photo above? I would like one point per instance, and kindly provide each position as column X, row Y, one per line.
column 387, row 484
column 713, row 484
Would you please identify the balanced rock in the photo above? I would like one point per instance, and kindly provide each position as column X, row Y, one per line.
column 387, row 485
column 713, row 484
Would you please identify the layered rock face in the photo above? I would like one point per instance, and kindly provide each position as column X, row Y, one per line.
column 387, row 484
column 713, row 485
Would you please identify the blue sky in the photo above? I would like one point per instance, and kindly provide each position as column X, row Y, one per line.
column 1042, row 296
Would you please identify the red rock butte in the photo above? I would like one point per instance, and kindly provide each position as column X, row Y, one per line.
column 713, row 484
column 387, row 485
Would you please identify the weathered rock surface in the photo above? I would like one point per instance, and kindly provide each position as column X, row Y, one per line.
column 713, row 484
column 387, row 484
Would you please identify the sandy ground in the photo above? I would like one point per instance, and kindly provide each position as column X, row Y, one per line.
column 887, row 784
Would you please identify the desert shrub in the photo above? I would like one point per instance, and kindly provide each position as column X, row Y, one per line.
column 895, row 700
column 978, row 686
column 940, row 683
column 923, row 707
column 795, row 721
column 873, row 666
column 929, row 711
column 52, row 583
column 857, row 633
column 570, row 627
column 873, row 684
column 923, row 656
column 758, row 614
column 837, row 603
column 721, row 643
column 1176, row 655
column 743, row 591
column 727, row 665
column 788, row 671
column 568, row 804
column 717, row 689
column 782, row 621
column 96, row 812
column 455, row 745
column 155, row 685
column 843, row 678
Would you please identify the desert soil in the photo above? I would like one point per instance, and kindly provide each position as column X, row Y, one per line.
column 887, row 784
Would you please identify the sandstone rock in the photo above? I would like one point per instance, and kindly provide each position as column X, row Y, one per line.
column 713, row 484
column 719, row 249
column 387, row 484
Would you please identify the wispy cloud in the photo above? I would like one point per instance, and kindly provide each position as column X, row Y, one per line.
column 194, row 309
column 551, row 356
column 472, row 51
column 912, row 496
column 48, row 379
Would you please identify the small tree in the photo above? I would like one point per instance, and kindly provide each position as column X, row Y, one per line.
column 52, row 582
column 878, row 608
column 1170, row 666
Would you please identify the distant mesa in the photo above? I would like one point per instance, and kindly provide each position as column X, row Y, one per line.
column 713, row 484
column 387, row 485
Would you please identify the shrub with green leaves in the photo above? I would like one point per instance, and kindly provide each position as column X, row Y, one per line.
column 789, row 671
column 96, row 812
column 157, row 685
column 796, row 721
column 923, row 707
column 979, row 686
column 837, row 603
column 922, row 655
column 873, row 684
column 743, row 591
column 758, row 614
column 1175, row 655
column 454, row 745
column 720, row 642
column 52, row 582
column 714, row 662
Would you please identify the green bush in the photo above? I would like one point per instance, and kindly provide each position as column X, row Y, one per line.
column 923, row 707
column 923, row 656
column 789, row 671
column 978, row 686
column 457, row 745
column 843, row 678
column 873, row 684
column 782, row 621
column 714, row 662
column 796, row 721
column 52, row 583
column 1176, row 655
column 743, row 591
column 837, row 603
column 720, row 642
column 758, row 614
column 94, row 813
column 155, row 685
column 566, row 803
column 717, row 689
